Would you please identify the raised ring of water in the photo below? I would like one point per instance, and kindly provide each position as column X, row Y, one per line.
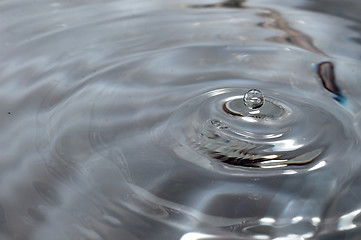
column 298, row 135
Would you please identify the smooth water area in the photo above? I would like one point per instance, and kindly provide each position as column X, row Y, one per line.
column 135, row 120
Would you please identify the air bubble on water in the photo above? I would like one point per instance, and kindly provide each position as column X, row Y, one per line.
column 218, row 124
column 253, row 99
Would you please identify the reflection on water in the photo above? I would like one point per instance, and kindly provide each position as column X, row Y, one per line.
column 326, row 72
column 225, row 4
column 127, row 120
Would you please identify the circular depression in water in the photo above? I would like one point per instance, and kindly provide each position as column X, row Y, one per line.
column 288, row 133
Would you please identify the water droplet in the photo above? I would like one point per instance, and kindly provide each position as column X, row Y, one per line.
column 253, row 99
column 269, row 110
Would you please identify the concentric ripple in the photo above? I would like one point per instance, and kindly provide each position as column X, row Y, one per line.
column 288, row 131
column 126, row 119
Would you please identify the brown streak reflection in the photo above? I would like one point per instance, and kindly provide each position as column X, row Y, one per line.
column 290, row 35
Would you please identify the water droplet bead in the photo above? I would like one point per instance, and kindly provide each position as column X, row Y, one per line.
column 253, row 99
column 253, row 104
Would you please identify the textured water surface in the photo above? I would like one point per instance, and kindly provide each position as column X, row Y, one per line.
column 126, row 120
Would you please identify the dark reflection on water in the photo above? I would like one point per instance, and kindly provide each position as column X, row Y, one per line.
column 106, row 107
column 226, row 4
column 347, row 9
column 2, row 215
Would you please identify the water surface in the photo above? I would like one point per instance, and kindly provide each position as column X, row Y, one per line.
column 115, row 125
